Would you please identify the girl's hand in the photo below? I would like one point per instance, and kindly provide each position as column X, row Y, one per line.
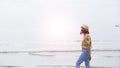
column 89, row 57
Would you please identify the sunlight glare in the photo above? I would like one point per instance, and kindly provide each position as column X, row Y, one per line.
column 58, row 30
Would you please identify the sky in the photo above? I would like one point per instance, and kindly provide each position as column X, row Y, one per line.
column 43, row 20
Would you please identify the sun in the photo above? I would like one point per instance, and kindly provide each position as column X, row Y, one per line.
column 57, row 27
column 58, row 31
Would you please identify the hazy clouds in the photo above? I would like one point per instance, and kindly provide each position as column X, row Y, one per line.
column 27, row 19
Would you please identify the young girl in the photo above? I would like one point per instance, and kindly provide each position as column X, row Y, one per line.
column 86, row 47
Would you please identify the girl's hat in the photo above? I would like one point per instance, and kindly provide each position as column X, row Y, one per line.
column 85, row 27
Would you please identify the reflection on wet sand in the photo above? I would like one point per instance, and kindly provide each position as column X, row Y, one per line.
column 10, row 66
column 112, row 56
column 37, row 54
column 65, row 66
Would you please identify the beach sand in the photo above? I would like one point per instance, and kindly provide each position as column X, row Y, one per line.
column 49, row 66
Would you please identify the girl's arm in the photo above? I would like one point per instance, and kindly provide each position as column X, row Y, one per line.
column 89, row 55
column 88, row 41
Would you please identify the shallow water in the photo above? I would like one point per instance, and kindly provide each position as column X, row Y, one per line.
column 107, row 59
column 104, row 55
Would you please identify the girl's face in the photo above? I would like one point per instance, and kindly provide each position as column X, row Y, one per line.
column 83, row 30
